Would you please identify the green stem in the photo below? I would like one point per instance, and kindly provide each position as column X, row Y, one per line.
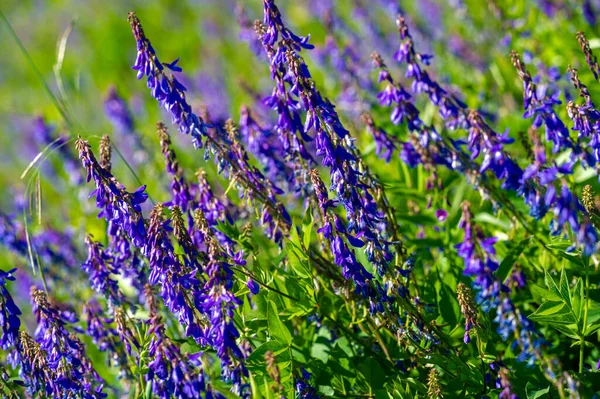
column 585, row 316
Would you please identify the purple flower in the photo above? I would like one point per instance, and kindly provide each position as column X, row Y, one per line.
column 253, row 286
column 441, row 215
column 216, row 301
column 303, row 388
column 120, row 208
column 176, row 283
column 172, row 373
column 70, row 372
column 480, row 261
column 268, row 149
column 539, row 105
column 294, row 91
column 590, row 58
column 503, row 383
column 105, row 337
column 169, row 92
column 182, row 195
column 333, row 230
column 9, row 313
column 99, row 266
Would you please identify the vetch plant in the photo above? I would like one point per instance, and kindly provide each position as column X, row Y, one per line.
column 364, row 200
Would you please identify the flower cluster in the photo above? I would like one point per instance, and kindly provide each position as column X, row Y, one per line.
column 68, row 371
column 9, row 312
column 479, row 254
column 99, row 265
column 333, row 143
column 120, row 208
column 172, row 373
column 169, row 92
column 182, row 195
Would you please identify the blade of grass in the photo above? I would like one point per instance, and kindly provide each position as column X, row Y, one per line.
column 27, row 56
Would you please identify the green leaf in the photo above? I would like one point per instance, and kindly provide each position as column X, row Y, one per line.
column 592, row 329
column 449, row 307
column 277, row 329
column 298, row 263
column 578, row 299
column 573, row 259
column 549, row 308
column 569, row 330
column 326, row 390
column 551, row 284
column 564, row 288
column 321, row 347
column 510, row 259
column 257, row 357
column 545, row 294
column 535, row 393
column 554, row 313
column 307, row 227
column 372, row 372
column 483, row 217
column 149, row 391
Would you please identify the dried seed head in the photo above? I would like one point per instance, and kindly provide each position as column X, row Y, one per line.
column 587, row 198
column 517, row 62
column 590, row 58
column 259, row 28
column 434, row 389
column 273, row 370
column 105, row 153
column 467, row 308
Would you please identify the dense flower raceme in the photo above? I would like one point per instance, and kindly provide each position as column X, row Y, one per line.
column 105, row 337
column 268, row 149
column 9, row 313
column 591, row 60
column 382, row 299
column 169, row 92
column 70, row 372
column 539, row 105
column 483, row 140
column 171, row 372
column 336, row 234
column 585, row 117
column 565, row 204
column 182, row 195
column 100, row 267
column 180, row 284
column 333, row 142
column 120, row 208
column 230, row 155
column 189, row 197
column 479, row 254
column 204, row 306
column 426, row 146
column 218, row 303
